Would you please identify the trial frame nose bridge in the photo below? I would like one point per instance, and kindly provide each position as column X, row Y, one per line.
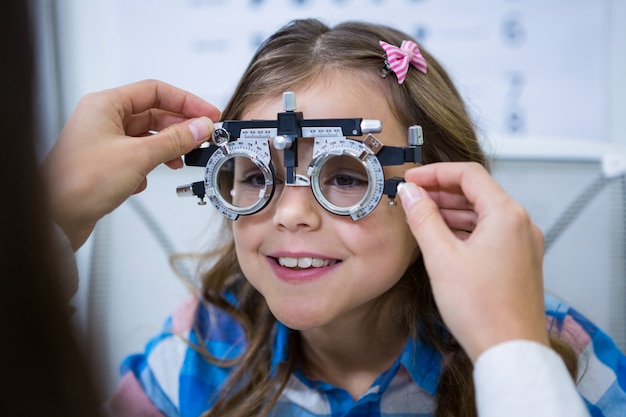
column 301, row 181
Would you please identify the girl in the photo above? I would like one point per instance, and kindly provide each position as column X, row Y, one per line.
column 310, row 313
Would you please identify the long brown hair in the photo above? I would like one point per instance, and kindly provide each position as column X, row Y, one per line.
column 294, row 57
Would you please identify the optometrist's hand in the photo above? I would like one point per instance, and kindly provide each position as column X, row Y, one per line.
column 488, row 284
column 105, row 152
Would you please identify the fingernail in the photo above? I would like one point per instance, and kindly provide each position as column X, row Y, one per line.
column 200, row 128
column 409, row 194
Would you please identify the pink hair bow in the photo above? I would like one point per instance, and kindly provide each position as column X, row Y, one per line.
column 399, row 59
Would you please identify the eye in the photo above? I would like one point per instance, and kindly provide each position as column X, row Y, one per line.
column 247, row 173
column 346, row 180
column 253, row 179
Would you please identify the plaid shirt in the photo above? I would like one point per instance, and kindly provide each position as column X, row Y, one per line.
column 173, row 379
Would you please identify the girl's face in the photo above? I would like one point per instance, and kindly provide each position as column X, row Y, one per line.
column 315, row 268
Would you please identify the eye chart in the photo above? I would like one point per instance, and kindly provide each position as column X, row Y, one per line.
column 524, row 67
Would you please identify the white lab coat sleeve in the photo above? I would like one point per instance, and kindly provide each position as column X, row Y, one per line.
column 522, row 378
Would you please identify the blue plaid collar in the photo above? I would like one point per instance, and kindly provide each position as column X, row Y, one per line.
column 422, row 362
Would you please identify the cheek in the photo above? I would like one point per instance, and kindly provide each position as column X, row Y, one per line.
column 403, row 234
column 246, row 249
column 246, row 235
column 249, row 230
column 385, row 232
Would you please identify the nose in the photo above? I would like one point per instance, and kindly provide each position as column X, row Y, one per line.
column 297, row 210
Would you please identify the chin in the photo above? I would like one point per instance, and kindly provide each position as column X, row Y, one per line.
column 300, row 318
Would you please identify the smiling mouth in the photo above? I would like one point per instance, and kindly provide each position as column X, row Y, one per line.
column 305, row 262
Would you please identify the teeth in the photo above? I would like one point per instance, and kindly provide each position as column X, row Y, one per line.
column 305, row 262
column 316, row 262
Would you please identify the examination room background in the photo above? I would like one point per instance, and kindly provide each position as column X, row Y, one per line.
column 544, row 80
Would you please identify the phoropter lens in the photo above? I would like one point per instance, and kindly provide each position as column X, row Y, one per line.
column 343, row 180
column 243, row 185
column 346, row 178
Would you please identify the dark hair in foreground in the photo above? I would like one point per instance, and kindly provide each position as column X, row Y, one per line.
column 43, row 372
column 300, row 54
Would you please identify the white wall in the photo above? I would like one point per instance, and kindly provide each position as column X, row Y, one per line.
column 617, row 70
column 557, row 65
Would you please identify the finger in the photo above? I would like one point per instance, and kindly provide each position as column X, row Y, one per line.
column 175, row 163
column 147, row 94
column 461, row 234
column 430, row 229
column 539, row 239
column 151, row 120
column 460, row 219
column 142, row 186
column 174, row 141
column 471, row 179
column 449, row 199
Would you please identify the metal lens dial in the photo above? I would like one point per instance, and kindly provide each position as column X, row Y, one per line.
column 346, row 179
column 241, row 182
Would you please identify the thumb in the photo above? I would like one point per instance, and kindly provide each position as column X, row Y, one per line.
column 178, row 139
column 428, row 226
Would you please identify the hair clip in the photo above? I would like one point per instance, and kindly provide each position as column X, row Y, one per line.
column 384, row 71
column 399, row 59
